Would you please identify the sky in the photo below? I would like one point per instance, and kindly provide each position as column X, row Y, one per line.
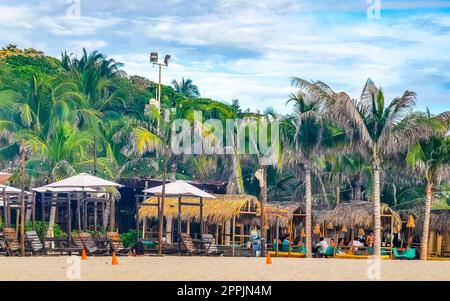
column 248, row 50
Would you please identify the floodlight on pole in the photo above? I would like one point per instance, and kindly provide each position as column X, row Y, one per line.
column 154, row 60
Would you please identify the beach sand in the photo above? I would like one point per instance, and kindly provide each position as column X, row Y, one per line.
column 215, row 268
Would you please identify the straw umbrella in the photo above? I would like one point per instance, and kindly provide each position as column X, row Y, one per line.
column 180, row 188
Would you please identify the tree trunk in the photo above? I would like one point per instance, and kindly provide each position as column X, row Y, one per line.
column 394, row 194
column 308, row 213
column 52, row 216
column 263, row 202
column 357, row 191
column 338, row 195
column 426, row 223
column 377, row 209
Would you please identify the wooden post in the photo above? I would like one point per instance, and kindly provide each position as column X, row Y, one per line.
column 137, row 219
column 188, row 225
column 33, row 210
column 69, row 222
column 233, row 236
column 84, row 205
column 43, row 219
column 78, row 212
column 217, row 233
column 144, row 220
column 112, row 213
column 201, row 216
column 277, row 236
column 8, row 212
column 392, row 236
column 95, row 218
column 179, row 223
column 5, row 215
column 290, row 235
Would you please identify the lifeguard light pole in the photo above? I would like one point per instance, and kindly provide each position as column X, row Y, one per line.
column 154, row 60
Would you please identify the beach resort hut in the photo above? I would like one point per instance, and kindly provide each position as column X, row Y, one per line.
column 10, row 203
column 439, row 236
column 356, row 217
column 81, row 196
column 216, row 213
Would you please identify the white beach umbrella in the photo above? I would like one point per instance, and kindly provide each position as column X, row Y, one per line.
column 4, row 176
column 83, row 181
column 63, row 189
column 180, row 188
column 9, row 189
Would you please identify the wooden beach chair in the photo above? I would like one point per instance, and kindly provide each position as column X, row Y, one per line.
column 2, row 244
column 189, row 245
column 209, row 243
column 90, row 246
column 11, row 243
column 115, row 243
column 34, row 243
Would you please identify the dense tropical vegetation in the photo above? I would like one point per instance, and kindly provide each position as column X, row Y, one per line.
column 333, row 148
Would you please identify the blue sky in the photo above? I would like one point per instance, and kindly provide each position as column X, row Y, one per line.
column 235, row 50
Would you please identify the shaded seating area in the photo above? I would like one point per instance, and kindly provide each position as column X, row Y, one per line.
column 353, row 221
column 79, row 204
column 227, row 218
column 439, row 235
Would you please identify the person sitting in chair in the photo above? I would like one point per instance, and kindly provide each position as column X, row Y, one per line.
column 321, row 246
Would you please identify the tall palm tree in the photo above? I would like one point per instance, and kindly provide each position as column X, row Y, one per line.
column 376, row 128
column 186, row 88
column 430, row 160
column 303, row 147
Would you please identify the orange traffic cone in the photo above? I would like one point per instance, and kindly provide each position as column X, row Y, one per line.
column 268, row 259
column 114, row 259
column 83, row 255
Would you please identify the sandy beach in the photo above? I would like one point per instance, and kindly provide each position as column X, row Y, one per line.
column 218, row 268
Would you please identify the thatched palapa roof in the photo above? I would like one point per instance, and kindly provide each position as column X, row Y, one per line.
column 358, row 214
column 439, row 221
column 223, row 208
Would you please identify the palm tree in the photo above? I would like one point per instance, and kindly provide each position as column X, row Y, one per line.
column 376, row 128
column 303, row 146
column 430, row 159
column 186, row 88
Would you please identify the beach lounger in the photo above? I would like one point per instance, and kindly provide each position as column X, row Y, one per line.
column 11, row 243
column 34, row 243
column 210, row 245
column 2, row 244
column 189, row 245
column 90, row 246
column 115, row 243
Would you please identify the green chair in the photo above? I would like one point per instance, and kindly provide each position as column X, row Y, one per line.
column 329, row 252
column 408, row 254
column 285, row 246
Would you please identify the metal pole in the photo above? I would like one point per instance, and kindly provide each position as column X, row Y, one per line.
column 159, row 95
